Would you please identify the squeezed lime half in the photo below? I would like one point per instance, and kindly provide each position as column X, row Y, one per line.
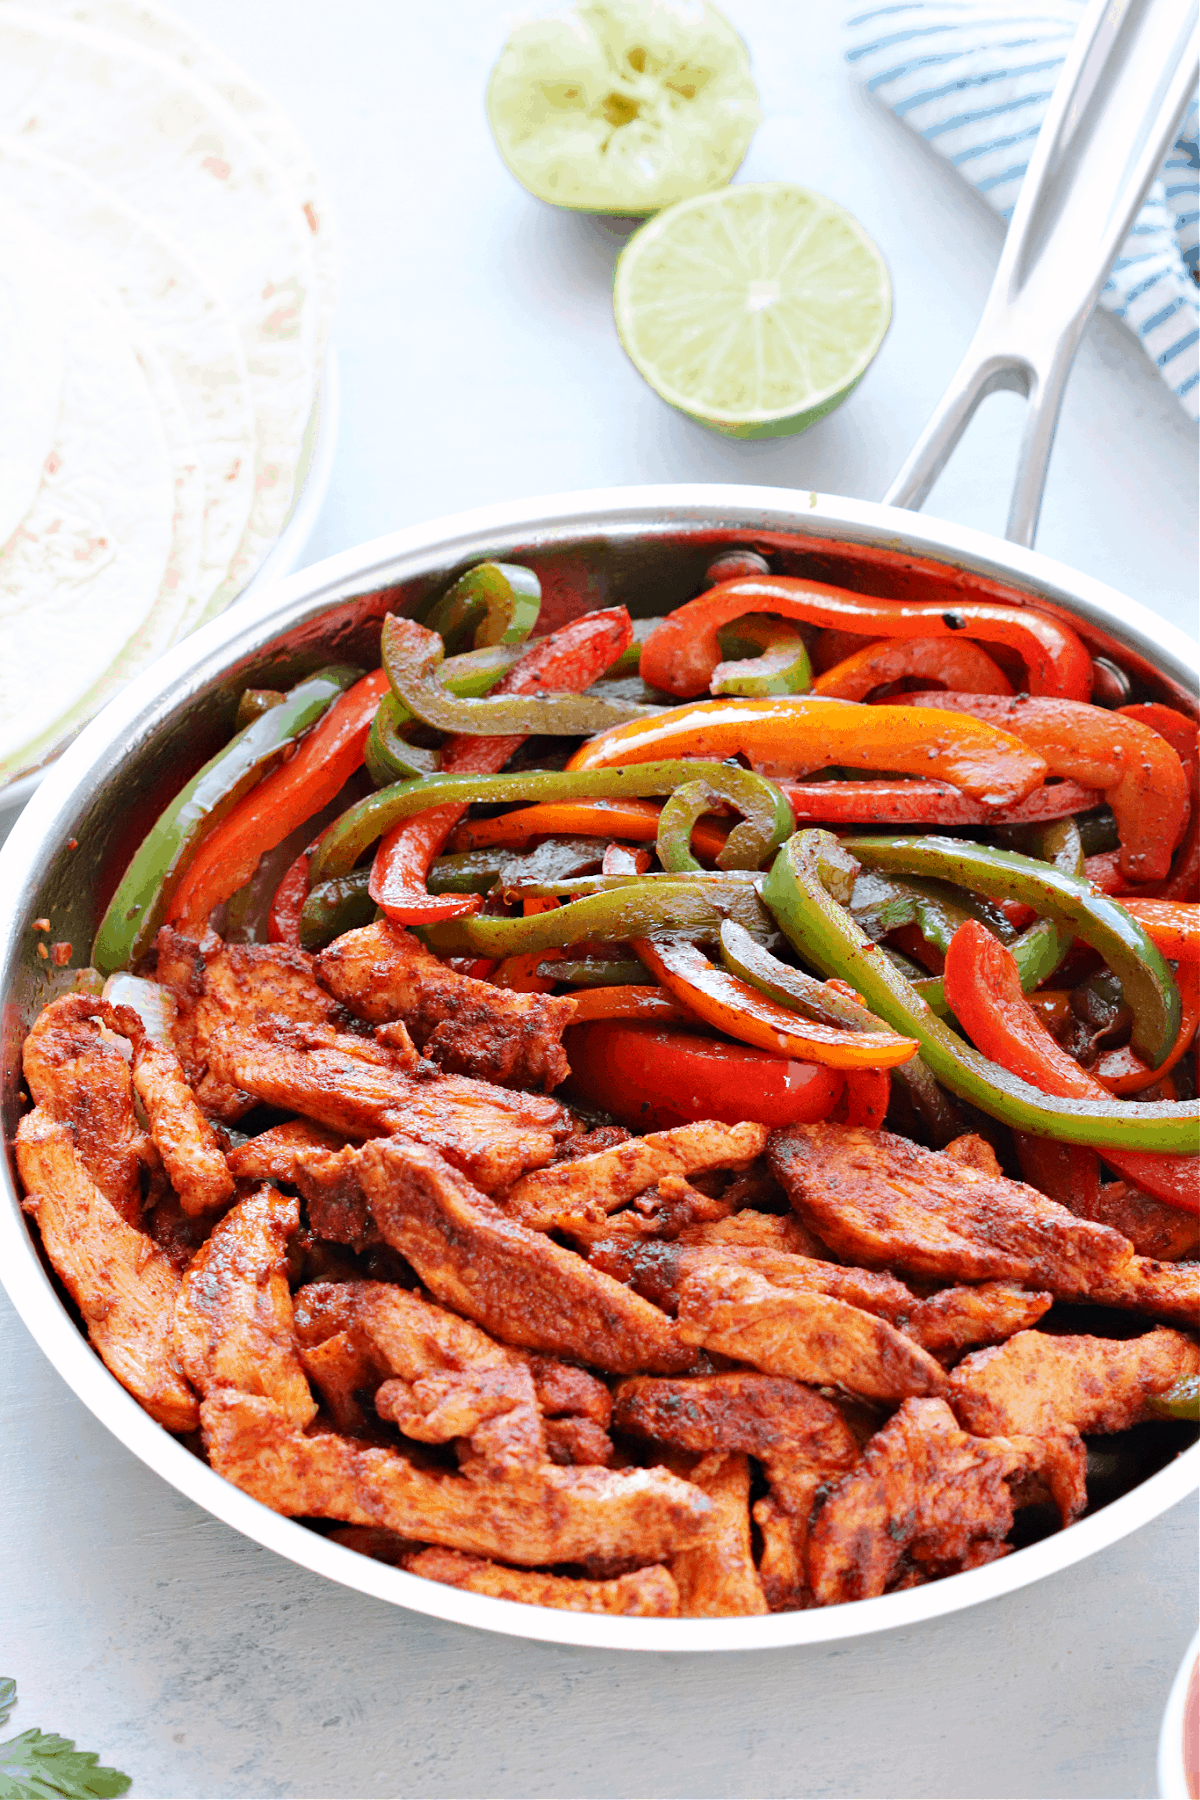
column 755, row 310
column 623, row 106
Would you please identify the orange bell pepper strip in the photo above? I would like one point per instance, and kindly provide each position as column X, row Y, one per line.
column 797, row 732
column 1139, row 773
column 1180, row 731
column 741, row 1011
column 926, row 803
column 957, row 663
column 292, row 793
column 630, row 1003
column 1173, row 924
column 630, row 819
column 983, row 987
column 680, row 656
column 569, row 660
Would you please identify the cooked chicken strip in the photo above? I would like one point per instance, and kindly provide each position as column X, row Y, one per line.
column 119, row 1279
column 359, row 1089
column 601, row 1183
column 656, row 1271
column 78, row 1076
column 182, row 1135
column 233, row 1319
column 881, row 1200
column 578, row 1441
column 551, row 1515
column 645, row 1594
column 716, row 1577
column 516, row 1283
column 749, row 1230
column 809, row 1336
column 1036, row 1381
column 924, row 1490
column 1167, row 1290
column 494, row 1409
column 767, row 1416
column 273, row 1155
column 973, row 1152
column 781, row 1567
column 960, row 1316
column 1152, row 1228
column 467, row 1027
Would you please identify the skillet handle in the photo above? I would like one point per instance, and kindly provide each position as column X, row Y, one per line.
column 1112, row 118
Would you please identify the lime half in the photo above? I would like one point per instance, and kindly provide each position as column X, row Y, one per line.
column 623, row 106
column 755, row 310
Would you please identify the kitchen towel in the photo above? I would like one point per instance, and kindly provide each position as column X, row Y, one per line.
column 973, row 77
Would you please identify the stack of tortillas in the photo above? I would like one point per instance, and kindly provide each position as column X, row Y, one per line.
column 166, row 290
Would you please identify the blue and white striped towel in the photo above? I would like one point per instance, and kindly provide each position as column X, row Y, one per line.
column 973, row 77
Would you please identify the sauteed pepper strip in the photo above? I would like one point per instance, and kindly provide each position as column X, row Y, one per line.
column 496, row 602
column 1138, row 772
column 984, row 988
column 139, row 905
column 767, row 818
column 630, row 819
column 572, row 658
column 797, row 893
column 1147, row 982
column 743, row 1012
column 681, row 655
column 955, row 662
column 296, row 791
column 780, row 667
column 925, row 803
column 801, row 733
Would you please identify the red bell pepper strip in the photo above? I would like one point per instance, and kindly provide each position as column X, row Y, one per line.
column 283, row 920
column 983, row 987
column 652, row 1077
column 1180, row 731
column 1068, row 1173
column 630, row 819
column 925, row 803
column 797, row 732
column 1173, row 924
column 957, row 663
column 1142, row 778
column 314, row 776
column 868, row 1092
column 570, row 660
column 731, row 1005
column 681, row 655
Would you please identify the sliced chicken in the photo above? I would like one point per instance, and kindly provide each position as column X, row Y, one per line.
column 492, row 1410
column 467, row 1027
column 1152, row 1228
column 550, row 1515
column 737, row 1312
column 716, row 1576
column 122, row 1283
column 183, row 1137
column 597, row 1185
column 959, row 1317
column 644, row 1594
column 767, row 1416
column 233, row 1320
column 750, row 1230
column 657, row 1270
column 1036, row 1381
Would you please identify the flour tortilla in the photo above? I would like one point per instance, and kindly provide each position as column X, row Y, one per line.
column 155, row 27
column 167, row 143
column 30, row 386
column 85, row 566
column 182, row 317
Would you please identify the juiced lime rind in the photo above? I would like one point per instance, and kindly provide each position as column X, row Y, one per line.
column 755, row 311
column 624, row 106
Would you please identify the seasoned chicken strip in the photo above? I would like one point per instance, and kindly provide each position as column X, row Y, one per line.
column 121, row 1282
column 78, row 1076
column 767, row 1416
column 599, row 1184
column 467, row 1027
column 923, row 1491
column 550, row 1515
column 1168, row 1290
column 881, row 1200
column 716, row 1577
column 749, row 1230
column 781, row 1567
column 362, row 1090
column 809, row 1336
column 233, row 1318
column 656, row 1271
column 644, row 1594
column 493, row 1409
column 1035, row 1382
column 960, row 1316
column 182, row 1135
column 1153, row 1228
column 516, row 1283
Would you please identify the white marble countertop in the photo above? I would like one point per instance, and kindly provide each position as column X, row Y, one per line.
column 479, row 363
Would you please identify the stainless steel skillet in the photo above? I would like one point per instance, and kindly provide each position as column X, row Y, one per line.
column 647, row 547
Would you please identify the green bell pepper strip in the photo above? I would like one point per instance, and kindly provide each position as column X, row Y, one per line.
column 336, row 906
column 1180, row 1401
column 572, row 887
column 254, row 703
column 499, row 602
column 630, row 660
column 136, row 910
column 677, row 821
column 816, row 1000
column 412, row 657
column 389, row 756
column 801, row 890
column 594, row 972
column 638, row 908
column 936, row 908
column 767, row 656
column 767, row 816
column 1128, row 950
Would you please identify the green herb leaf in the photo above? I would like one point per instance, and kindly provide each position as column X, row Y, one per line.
column 40, row 1766
column 8, row 1697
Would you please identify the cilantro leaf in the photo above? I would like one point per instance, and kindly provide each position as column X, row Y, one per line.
column 41, row 1766
column 8, row 1697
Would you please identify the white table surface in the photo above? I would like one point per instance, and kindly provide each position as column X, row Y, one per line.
column 479, row 363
